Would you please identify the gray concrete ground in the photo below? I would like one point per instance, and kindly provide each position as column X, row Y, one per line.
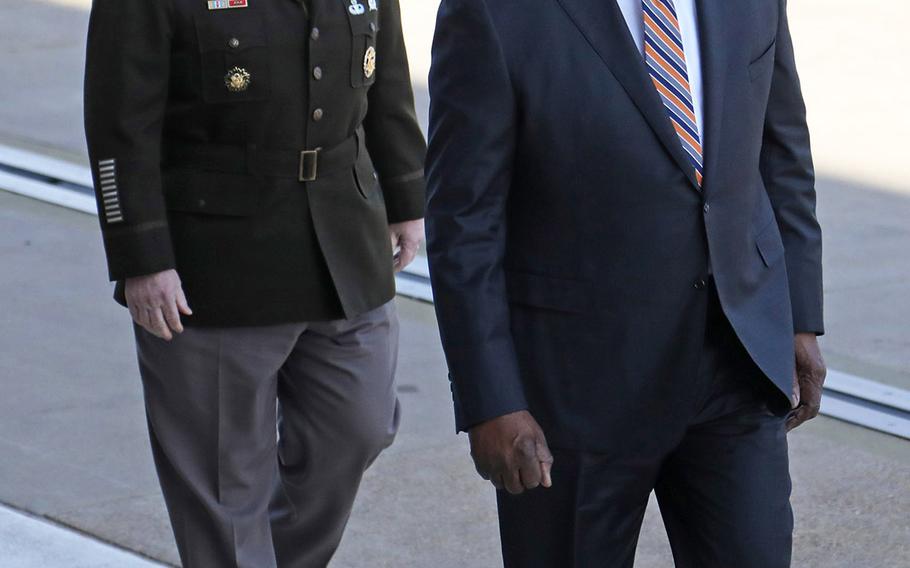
column 73, row 446
column 27, row 542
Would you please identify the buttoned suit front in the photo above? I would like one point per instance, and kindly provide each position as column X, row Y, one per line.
column 584, row 273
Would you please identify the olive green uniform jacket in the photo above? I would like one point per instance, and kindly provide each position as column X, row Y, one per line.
column 260, row 147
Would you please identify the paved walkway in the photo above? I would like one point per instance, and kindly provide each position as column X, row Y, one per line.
column 27, row 542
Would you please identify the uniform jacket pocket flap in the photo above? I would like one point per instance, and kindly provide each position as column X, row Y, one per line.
column 362, row 23
column 210, row 193
column 230, row 31
column 547, row 292
column 769, row 244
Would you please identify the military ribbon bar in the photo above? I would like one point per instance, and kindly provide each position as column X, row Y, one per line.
column 225, row 4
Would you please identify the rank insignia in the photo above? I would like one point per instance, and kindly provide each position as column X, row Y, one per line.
column 226, row 4
column 369, row 62
column 237, row 80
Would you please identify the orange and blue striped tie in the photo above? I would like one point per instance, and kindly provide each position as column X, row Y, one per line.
column 666, row 60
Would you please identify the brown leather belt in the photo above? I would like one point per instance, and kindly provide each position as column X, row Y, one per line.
column 302, row 165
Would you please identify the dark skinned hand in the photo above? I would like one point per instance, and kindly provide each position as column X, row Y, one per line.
column 807, row 381
column 512, row 453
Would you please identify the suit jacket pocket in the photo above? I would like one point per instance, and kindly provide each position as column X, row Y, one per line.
column 550, row 293
column 210, row 193
column 760, row 65
column 234, row 55
column 769, row 244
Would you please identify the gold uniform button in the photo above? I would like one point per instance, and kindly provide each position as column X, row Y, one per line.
column 314, row 34
column 237, row 80
column 234, row 43
column 317, row 73
column 369, row 62
column 317, row 114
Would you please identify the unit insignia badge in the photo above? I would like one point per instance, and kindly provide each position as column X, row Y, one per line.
column 369, row 62
column 237, row 80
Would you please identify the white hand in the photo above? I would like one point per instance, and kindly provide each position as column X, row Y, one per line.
column 156, row 302
column 406, row 238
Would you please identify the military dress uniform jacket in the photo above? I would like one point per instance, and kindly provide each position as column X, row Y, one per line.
column 260, row 147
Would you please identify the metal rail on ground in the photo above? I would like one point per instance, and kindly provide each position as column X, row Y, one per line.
column 853, row 399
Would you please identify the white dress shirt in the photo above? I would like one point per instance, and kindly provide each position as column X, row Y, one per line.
column 688, row 23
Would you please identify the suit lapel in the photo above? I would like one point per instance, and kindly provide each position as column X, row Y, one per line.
column 713, row 24
column 605, row 28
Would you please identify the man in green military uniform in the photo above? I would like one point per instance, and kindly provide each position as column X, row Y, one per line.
column 259, row 175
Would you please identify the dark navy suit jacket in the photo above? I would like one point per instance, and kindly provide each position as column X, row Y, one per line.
column 568, row 240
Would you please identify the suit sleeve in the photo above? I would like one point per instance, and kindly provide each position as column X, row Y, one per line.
column 472, row 147
column 393, row 135
column 126, row 85
column 788, row 174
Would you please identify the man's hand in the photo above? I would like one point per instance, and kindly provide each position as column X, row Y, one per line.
column 406, row 239
column 807, row 381
column 512, row 453
column 156, row 302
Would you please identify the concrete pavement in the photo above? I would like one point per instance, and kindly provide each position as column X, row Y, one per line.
column 27, row 542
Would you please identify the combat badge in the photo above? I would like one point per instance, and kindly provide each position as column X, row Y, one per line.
column 356, row 8
column 369, row 62
column 237, row 80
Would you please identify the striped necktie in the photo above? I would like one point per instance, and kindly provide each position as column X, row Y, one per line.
column 666, row 60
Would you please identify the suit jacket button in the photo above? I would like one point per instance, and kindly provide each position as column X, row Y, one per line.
column 314, row 34
column 317, row 114
column 707, row 207
column 234, row 43
column 317, row 73
column 700, row 284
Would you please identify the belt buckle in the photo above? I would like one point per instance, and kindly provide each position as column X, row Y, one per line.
column 309, row 161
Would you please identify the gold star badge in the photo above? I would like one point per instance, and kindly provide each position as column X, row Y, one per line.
column 237, row 80
column 369, row 62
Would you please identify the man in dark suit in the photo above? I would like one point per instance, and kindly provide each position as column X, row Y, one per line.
column 627, row 270
column 258, row 161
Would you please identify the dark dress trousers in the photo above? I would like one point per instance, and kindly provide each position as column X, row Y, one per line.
column 260, row 147
column 573, row 254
